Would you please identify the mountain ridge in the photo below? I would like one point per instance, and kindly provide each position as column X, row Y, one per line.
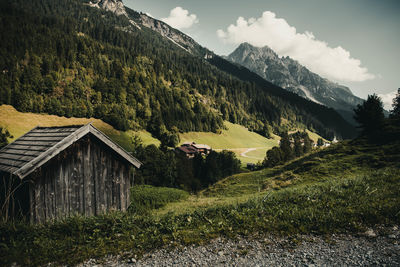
column 292, row 76
column 81, row 61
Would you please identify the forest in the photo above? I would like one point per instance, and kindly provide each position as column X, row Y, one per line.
column 66, row 58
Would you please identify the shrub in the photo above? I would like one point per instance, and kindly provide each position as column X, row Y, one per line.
column 146, row 197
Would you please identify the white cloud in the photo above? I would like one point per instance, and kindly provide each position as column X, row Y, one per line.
column 387, row 99
column 180, row 18
column 268, row 30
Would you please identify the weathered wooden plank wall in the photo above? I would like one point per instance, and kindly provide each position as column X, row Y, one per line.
column 87, row 178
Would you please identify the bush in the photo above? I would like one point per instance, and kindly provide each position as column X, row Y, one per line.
column 146, row 197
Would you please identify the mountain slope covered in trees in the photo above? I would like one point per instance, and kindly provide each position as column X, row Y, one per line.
column 70, row 59
column 289, row 74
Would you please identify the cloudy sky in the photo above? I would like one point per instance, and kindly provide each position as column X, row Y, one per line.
column 355, row 43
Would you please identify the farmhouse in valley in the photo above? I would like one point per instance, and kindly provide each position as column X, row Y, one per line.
column 62, row 171
column 190, row 149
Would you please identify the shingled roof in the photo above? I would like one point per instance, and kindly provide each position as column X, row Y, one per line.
column 41, row 144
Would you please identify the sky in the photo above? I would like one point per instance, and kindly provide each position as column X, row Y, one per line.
column 352, row 42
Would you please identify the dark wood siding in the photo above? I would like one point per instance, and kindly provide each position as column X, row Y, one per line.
column 87, row 178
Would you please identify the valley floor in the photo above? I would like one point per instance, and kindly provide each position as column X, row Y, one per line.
column 373, row 248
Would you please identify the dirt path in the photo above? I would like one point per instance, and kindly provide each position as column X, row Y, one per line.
column 242, row 151
column 243, row 154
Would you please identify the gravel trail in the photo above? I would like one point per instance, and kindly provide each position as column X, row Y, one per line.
column 367, row 249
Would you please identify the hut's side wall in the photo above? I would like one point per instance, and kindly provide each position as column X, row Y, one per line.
column 87, row 178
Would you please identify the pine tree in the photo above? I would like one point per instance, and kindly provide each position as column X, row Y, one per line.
column 395, row 112
column 307, row 147
column 298, row 149
column 286, row 147
column 320, row 142
column 370, row 115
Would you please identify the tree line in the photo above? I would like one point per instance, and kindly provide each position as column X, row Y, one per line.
column 290, row 147
column 164, row 167
column 372, row 124
column 372, row 121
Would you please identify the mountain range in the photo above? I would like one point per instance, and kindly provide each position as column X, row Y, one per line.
column 99, row 58
column 292, row 76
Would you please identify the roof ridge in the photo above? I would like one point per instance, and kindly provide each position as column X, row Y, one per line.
column 66, row 126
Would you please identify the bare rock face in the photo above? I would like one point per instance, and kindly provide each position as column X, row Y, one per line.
column 140, row 19
column 180, row 39
column 289, row 74
column 115, row 6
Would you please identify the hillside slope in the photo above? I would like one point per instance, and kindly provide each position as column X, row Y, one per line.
column 350, row 187
column 341, row 166
column 73, row 59
column 235, row 138
column 19, row 123
column 289, row 74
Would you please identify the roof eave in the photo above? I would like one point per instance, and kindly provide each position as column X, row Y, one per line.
column 37, row 162
column 52, row 152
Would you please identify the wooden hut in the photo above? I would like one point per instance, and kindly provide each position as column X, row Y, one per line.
column 54, row 172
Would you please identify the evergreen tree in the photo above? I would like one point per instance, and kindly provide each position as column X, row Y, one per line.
column 274, row 157
column 298, row 148
column 307, row 147
column 370, row 115
column 286, row 147
column 320, row 142
column 395, row 112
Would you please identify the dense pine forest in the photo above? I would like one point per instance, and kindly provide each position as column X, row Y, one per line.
column 66, row 58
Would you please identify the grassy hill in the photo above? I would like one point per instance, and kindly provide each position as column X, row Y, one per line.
column 239, row 140
column 18, row 123
column 348, row 187
column 235, row 138
column 345, row 162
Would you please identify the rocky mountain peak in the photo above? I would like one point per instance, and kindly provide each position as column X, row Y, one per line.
column 247, row 50
column 292, row 76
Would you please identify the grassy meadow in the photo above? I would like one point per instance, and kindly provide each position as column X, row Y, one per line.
column 348, row 187
column 18, row 123
column 236, row 138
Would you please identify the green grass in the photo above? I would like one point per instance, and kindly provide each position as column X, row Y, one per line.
column 18, row 123
column 313, row 136
column 236, row 138
column 147, row 197
column 259, row 153
column 341, row 161
column 348, row 187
